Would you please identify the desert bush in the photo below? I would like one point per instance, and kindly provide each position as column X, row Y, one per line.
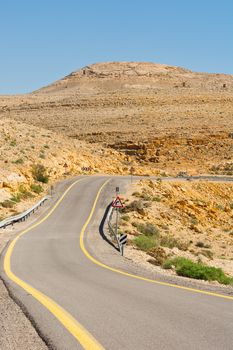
column 156, row 199
column 39, row 173
column 13, row 143
column 201, row 244
column 193, row 221
column 145, row 243
column 24, row 193
column 187, row 268
column 42, row 155
column 145, row 196
column 36, row 188
column 208, row 253
column 171, row 242
column 16, row 198
column 148, row 229
column 158, row 254
column 136, row 205
column 18, row 161
column 8, row 204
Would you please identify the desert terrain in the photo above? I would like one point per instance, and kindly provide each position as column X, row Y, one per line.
column 111, row 117
column 168, row 219
column 118, row 117
column 160, row 117
column 121, row 118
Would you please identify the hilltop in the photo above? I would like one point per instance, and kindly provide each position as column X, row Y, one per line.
column 126, row 76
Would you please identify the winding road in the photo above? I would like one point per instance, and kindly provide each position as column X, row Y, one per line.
column 65, row 276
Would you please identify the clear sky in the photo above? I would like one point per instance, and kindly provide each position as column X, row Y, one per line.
column 43, row 40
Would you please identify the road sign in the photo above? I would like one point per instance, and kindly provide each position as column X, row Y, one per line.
column 123, row 239
column 117, row 203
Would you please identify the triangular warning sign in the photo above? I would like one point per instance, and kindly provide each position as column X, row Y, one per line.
column 117, row 203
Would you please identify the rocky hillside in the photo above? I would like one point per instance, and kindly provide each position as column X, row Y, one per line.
column 189, row 219
column 32, row 159
column 157, row 116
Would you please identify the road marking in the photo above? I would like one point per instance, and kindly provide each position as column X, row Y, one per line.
column 72, row 325
column 97, row 262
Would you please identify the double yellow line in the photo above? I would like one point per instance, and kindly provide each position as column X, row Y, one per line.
column 72, row 325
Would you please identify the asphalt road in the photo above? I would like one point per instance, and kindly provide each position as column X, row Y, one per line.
column 120, row 312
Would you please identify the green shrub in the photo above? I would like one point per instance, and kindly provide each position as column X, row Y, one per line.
column 24, row 193
column 187, row 268
column 36, row 188
column 16, row 198
column 148, row 229
column 145, row 242
column 39, row 173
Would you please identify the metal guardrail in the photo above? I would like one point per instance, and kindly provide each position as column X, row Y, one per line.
column 111, row 229
column 22, row 217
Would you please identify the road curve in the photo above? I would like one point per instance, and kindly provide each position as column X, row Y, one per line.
column 77, row 304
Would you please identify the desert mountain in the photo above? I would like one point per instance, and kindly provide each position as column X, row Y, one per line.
column 160, row 117
column 110, row 116
column 111, row 76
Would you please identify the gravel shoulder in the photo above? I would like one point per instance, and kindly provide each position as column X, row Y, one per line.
column 16, row 330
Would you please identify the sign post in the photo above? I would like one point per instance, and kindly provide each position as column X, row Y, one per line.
column 122, row 241
column 117, row 204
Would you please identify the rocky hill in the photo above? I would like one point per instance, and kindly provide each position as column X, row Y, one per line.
column 159, row 117
column 111, row 76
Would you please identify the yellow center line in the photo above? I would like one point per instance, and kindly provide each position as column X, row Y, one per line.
column 72, row 325
column 97, row 262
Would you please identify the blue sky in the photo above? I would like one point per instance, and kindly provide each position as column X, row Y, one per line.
column 43, row 40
